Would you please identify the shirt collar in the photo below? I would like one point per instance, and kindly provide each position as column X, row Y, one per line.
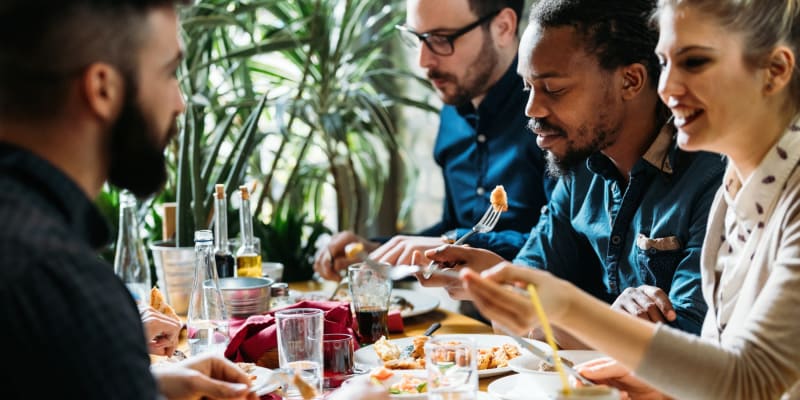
column 58, row 190
column 497, row 95
column 661, row 155
column 754, row 199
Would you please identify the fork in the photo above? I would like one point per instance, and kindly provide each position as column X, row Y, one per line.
column 485, row 224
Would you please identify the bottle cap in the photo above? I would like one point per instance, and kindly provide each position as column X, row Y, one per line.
column 219, row 189
column 203, row 235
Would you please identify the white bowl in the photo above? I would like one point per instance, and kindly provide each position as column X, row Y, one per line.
column 549, row 382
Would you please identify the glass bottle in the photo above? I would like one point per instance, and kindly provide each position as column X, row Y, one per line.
column 130, row 258
column 248, row 257
column 207, row 321
column 222, row 252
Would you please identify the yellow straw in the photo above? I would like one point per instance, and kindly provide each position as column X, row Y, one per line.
column 548, row 334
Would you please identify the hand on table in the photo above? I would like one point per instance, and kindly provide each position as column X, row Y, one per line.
column 607, row 371
column 649, row 303
column 496, row 301
column 203, row 376
column 161, row 331
column 332, row 259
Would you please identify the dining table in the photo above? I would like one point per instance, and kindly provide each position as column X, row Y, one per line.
column 451, row 322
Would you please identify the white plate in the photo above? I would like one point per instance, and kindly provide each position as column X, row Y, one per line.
column 422, row 302
column 261, row 383
column 516, row 387
column 366, row 357
column 396, row 378
column 529, row 363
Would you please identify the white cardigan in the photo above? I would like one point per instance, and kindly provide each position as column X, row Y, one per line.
column 754, row 353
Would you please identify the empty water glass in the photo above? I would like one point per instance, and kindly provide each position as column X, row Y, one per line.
column 300, row 346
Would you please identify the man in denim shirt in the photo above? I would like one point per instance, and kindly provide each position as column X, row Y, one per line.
column 627, row 219
column 468, row 48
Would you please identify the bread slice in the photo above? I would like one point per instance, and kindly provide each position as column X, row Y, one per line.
column 157, row 301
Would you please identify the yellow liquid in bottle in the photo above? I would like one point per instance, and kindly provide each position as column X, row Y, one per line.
column 248, row 265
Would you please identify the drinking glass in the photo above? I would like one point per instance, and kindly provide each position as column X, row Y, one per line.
column 337, row 358
column 370, row 293
column 300, row 346
column 452, row 368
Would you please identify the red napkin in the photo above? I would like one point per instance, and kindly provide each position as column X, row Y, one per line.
column 395, row 321
column 254, row 336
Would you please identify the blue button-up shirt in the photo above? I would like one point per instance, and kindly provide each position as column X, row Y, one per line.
column 479, row 149
column 605, row 237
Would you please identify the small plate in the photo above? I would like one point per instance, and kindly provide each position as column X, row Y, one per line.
column 516, row 387
column 398, row 375
column 529, row 364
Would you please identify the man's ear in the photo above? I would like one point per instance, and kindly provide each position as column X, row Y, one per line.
column 104, row 90
column 634, row 80
column 779, row 67
column 504, row 28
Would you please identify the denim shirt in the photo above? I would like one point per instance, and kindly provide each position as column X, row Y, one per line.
column 605, row 238
column 479, row 149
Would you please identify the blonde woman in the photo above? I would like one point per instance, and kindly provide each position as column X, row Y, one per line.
column 731, row 79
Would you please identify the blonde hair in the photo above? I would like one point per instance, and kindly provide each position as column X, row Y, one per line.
column 765, row 24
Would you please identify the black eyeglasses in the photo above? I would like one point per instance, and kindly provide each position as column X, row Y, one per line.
column 440, row 44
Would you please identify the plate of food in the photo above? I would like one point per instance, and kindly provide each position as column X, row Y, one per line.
column 494, row 353
column 410, row 303
column 402, row 385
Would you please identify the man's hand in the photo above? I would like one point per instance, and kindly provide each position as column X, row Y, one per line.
column 457, row 257
column 203, row 376
column 607, row 371
column 161, row 331
column 400, row 249
column 646, row 302
column 332, row 258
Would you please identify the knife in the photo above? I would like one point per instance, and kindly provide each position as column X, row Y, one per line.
column 544, row 356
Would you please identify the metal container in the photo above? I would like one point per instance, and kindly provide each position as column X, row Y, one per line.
column 245, row 296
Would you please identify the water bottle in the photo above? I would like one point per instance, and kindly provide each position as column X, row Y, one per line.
column 207, row 320
column 130, row 259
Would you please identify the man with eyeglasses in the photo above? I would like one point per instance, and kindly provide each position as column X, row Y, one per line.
column 468, row 49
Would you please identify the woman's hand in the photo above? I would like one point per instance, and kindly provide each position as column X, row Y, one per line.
column 608, row 371
column 495, row 299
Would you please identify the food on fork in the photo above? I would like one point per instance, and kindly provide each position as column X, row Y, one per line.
column 307, row 391
column 157, row 302
column 499, row 199
column 353, row 249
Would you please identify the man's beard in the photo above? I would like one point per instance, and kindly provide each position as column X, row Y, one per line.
column 477, row 76
column 137, row 159
column 558, row 167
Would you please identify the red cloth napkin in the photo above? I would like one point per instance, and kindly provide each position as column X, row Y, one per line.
column 395, row 321
column 252, row 337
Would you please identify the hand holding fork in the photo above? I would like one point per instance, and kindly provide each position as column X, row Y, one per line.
column 485, row 224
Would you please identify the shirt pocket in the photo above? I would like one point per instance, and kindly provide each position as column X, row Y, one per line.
column 658, row 258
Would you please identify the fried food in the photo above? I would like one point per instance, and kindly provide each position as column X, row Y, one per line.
column 307, row 391
column 157, row 302
column 499, row 199
column 386, row 350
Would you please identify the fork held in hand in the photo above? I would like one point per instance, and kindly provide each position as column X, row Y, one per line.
column 486, row 224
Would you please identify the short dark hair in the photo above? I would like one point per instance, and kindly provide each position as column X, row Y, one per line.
column 484, row 7
column 55, row 40
column 618, row 32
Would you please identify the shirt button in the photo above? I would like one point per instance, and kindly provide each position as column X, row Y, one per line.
column 481, row 138
column 480, row 191
column 616, row 239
